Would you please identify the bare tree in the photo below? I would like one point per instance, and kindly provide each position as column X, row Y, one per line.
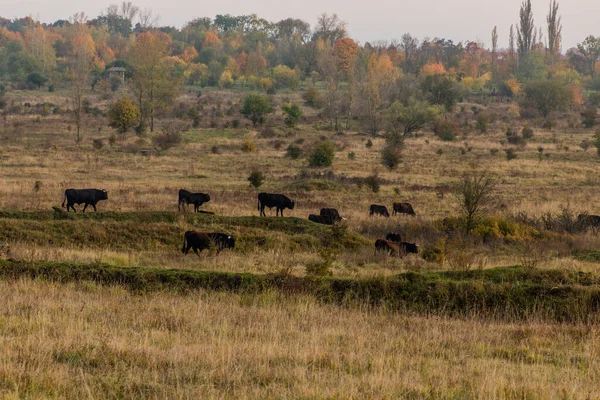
column 147, row 18
column 330, row 28
column 128, row 11
column 410, row 46
column 554, row 31
column 526, row 29
column 475, row 197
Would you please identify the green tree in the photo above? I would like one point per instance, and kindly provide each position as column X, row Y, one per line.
column 410, row 118
column 547, row 96
column 292, row 114
column 37, row 79
column 590, row 50
column 123, row 115
column 322, row 155
column 475, row 197
column 255, row 107
column 441, row 90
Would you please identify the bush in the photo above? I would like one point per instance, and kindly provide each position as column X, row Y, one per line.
column 255, row 107
column 483, row 121
column 548, row 124
column 170, row 135
column 445, row 130
column 514, row 138
column 589, row 117
column 351, row 155
column 313, row 98
column 322, row 155
column 98, row 144
column 510, row 154
column 294, row 151
column 256, row 178
column 391, row 156
column 123, row 115
column 369, row 144
column 373, row 182
column 292, row 114
column 248, row 146
column 527, row 132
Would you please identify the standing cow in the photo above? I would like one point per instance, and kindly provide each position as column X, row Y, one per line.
column 403, row 208
column 84, row 196
column 197, row 199
column 378, row 209
column 279, row 201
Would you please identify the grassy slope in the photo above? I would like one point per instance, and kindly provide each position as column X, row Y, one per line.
column 501, row 292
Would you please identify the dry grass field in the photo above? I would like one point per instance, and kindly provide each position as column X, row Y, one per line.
column 86, row 340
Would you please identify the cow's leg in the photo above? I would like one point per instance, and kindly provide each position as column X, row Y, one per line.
column 94, row 205
column 281, row 211
column 72, row 205
column 262, row 211
column 196, row 251
column 85, row 206
column 195, row 207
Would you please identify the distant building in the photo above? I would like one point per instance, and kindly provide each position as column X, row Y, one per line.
column 117, row 71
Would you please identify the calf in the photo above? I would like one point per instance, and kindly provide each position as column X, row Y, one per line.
column 196, row 241
column 222, row 241
column 320, row 219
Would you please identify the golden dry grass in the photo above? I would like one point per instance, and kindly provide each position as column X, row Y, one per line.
column 85, row 341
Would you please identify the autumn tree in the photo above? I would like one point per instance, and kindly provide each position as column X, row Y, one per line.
column 345, row 50
column 547, row 96
column 554, row 31
column 475, row 197
column 152, row 83
column 406, row 119
column 123, row 115
column 525, row 29
column 80, row 67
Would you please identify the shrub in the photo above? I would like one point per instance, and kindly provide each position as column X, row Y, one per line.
column 548, row 124
column 373, row 182
column 351, row 155
column 589, row 116
column 124, row 115
column 248, row 146
column 256, row 178
column 445, row 130
column 510, row 154
column 391, row 156
column 292, row 114
column 369, row 144
column 322, row 155
column 313, row 98
column 98, row 144
column 215, row 149
column 255, row 107
column 170, row 135
column 235, row 124
column 294, row 151
column 483, row 121
column 514, row 138
column 527, row 132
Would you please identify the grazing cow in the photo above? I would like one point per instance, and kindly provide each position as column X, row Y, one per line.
column 196, row 241
column 394, row 237
column 332, row 214
column 28, row 105
column 378, row 209
column 409, row 248
column 279, row 201
column 84, row 196
column 388, row 247
column 197, row 199
column 222, row 240
column 403, row 208
column 588, row 221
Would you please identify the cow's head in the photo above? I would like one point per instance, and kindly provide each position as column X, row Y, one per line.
column 207, row 197
column 230, row 242
column 292, row 204
column 104, row 195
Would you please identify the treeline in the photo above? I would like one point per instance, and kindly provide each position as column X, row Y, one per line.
column 250, row 52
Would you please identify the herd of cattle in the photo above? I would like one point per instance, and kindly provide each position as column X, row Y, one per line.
column 198, row 241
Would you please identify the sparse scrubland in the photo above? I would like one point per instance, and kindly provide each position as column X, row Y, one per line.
column 496, row 150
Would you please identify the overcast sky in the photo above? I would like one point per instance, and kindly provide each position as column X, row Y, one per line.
column 371, row 20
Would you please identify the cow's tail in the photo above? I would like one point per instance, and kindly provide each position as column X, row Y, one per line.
column 184, row 243
column 63, row 204
column 258, row 204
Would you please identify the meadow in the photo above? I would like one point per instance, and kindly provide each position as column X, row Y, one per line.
column 70, row 334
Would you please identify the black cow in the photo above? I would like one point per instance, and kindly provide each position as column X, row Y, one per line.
column 84, row 196
column 388, row 247
column 197, row 199
column 332, row 214
column 586, row 221
column 222, row 240
column 409, row 248
column 378, row 209
column 403, row 208
column 394, row 237
column 320, row 219
column 196, row 241
column 183, row 195
column 279, row 201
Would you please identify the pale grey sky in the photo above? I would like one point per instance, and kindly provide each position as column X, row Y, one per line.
column 370, row 20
